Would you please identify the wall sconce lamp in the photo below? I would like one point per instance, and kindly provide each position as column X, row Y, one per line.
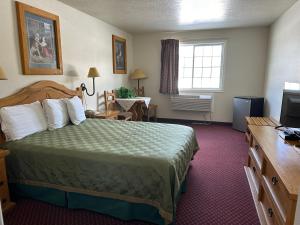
column 93, row 72
column 2, row 74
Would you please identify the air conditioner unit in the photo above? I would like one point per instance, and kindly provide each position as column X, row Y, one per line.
column 200, row 103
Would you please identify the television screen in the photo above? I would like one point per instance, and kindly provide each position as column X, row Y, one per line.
column 290, row 109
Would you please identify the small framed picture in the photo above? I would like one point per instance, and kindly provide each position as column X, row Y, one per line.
column 119, row 55
column 40, row 45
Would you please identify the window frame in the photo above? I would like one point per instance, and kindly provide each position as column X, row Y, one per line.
column 223, row 42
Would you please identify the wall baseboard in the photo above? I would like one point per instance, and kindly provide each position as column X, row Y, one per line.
column 189, row 122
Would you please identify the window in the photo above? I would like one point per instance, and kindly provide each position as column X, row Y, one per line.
column 291, row 86
column 201, row 66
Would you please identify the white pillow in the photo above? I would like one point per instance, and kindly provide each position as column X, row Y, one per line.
column 56, row 113
column 22, row 120
column 75, row 110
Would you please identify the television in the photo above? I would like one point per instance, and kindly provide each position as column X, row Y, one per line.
column 290, row 109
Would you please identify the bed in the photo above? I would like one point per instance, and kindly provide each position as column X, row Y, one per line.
column 130, row 170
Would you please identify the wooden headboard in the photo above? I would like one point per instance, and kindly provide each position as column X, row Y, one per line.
column 38, row 92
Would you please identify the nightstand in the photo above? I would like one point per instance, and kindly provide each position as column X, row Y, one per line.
column 112, row 115
column 4, row 192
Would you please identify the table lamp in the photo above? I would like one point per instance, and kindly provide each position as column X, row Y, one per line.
column 93, row 72
column 2, row 74
column 138, row 75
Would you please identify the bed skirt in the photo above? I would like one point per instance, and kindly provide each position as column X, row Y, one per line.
column 116, row 208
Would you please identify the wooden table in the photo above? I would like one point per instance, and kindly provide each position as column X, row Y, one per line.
column 262, row 121
column 111, row 115
column 273, row 173
column 134, row 105
column 259, row 121
column 6, row 204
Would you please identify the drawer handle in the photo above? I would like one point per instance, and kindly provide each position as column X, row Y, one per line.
column 256, row 147
column 270, row 212
column 1, row 183
column 274, row 180
column 254, row 169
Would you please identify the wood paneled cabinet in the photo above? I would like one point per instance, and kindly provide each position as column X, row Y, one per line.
column 273, row 172
column 4, row 192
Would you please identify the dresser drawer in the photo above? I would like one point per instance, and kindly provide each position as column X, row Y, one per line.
column 257, row 153
column 254, row 173
column 2, row 170
column 277, row 190
column 3, row 183
column 268, row 209
column 4, row 197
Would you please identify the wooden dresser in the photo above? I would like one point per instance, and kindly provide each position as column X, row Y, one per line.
column 259, row 121
column 273, row 172
column 4, row 192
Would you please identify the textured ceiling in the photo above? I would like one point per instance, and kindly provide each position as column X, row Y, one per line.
column 137, row 16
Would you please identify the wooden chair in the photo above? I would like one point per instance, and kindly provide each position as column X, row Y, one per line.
column 110, row 108
column 149, row 112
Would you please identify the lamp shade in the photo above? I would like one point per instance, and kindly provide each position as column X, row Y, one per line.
column 138, row 75
column 93, row 72
column 2, row 74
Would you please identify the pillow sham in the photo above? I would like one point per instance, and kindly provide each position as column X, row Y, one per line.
column 56, row 112
column 75, row 110
column 20, row 121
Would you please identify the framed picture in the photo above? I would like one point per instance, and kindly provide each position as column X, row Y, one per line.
column 39, row 36
column 119, row 55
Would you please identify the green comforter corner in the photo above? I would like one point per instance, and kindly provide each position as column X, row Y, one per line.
column 133, row 161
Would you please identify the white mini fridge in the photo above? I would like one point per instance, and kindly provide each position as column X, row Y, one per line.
column 246, row 106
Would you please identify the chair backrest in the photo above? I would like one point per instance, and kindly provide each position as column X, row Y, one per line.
column 140, row 91
column 109, row 100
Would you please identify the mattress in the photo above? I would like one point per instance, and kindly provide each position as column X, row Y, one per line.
column 132, row 161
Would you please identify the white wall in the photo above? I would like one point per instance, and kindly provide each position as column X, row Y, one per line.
column 245, row 61
column 86, row 41
column 284, row 58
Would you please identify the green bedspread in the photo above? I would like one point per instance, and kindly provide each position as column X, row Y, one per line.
column 132, row 161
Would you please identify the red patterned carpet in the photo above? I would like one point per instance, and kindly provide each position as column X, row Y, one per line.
column 218, row 192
